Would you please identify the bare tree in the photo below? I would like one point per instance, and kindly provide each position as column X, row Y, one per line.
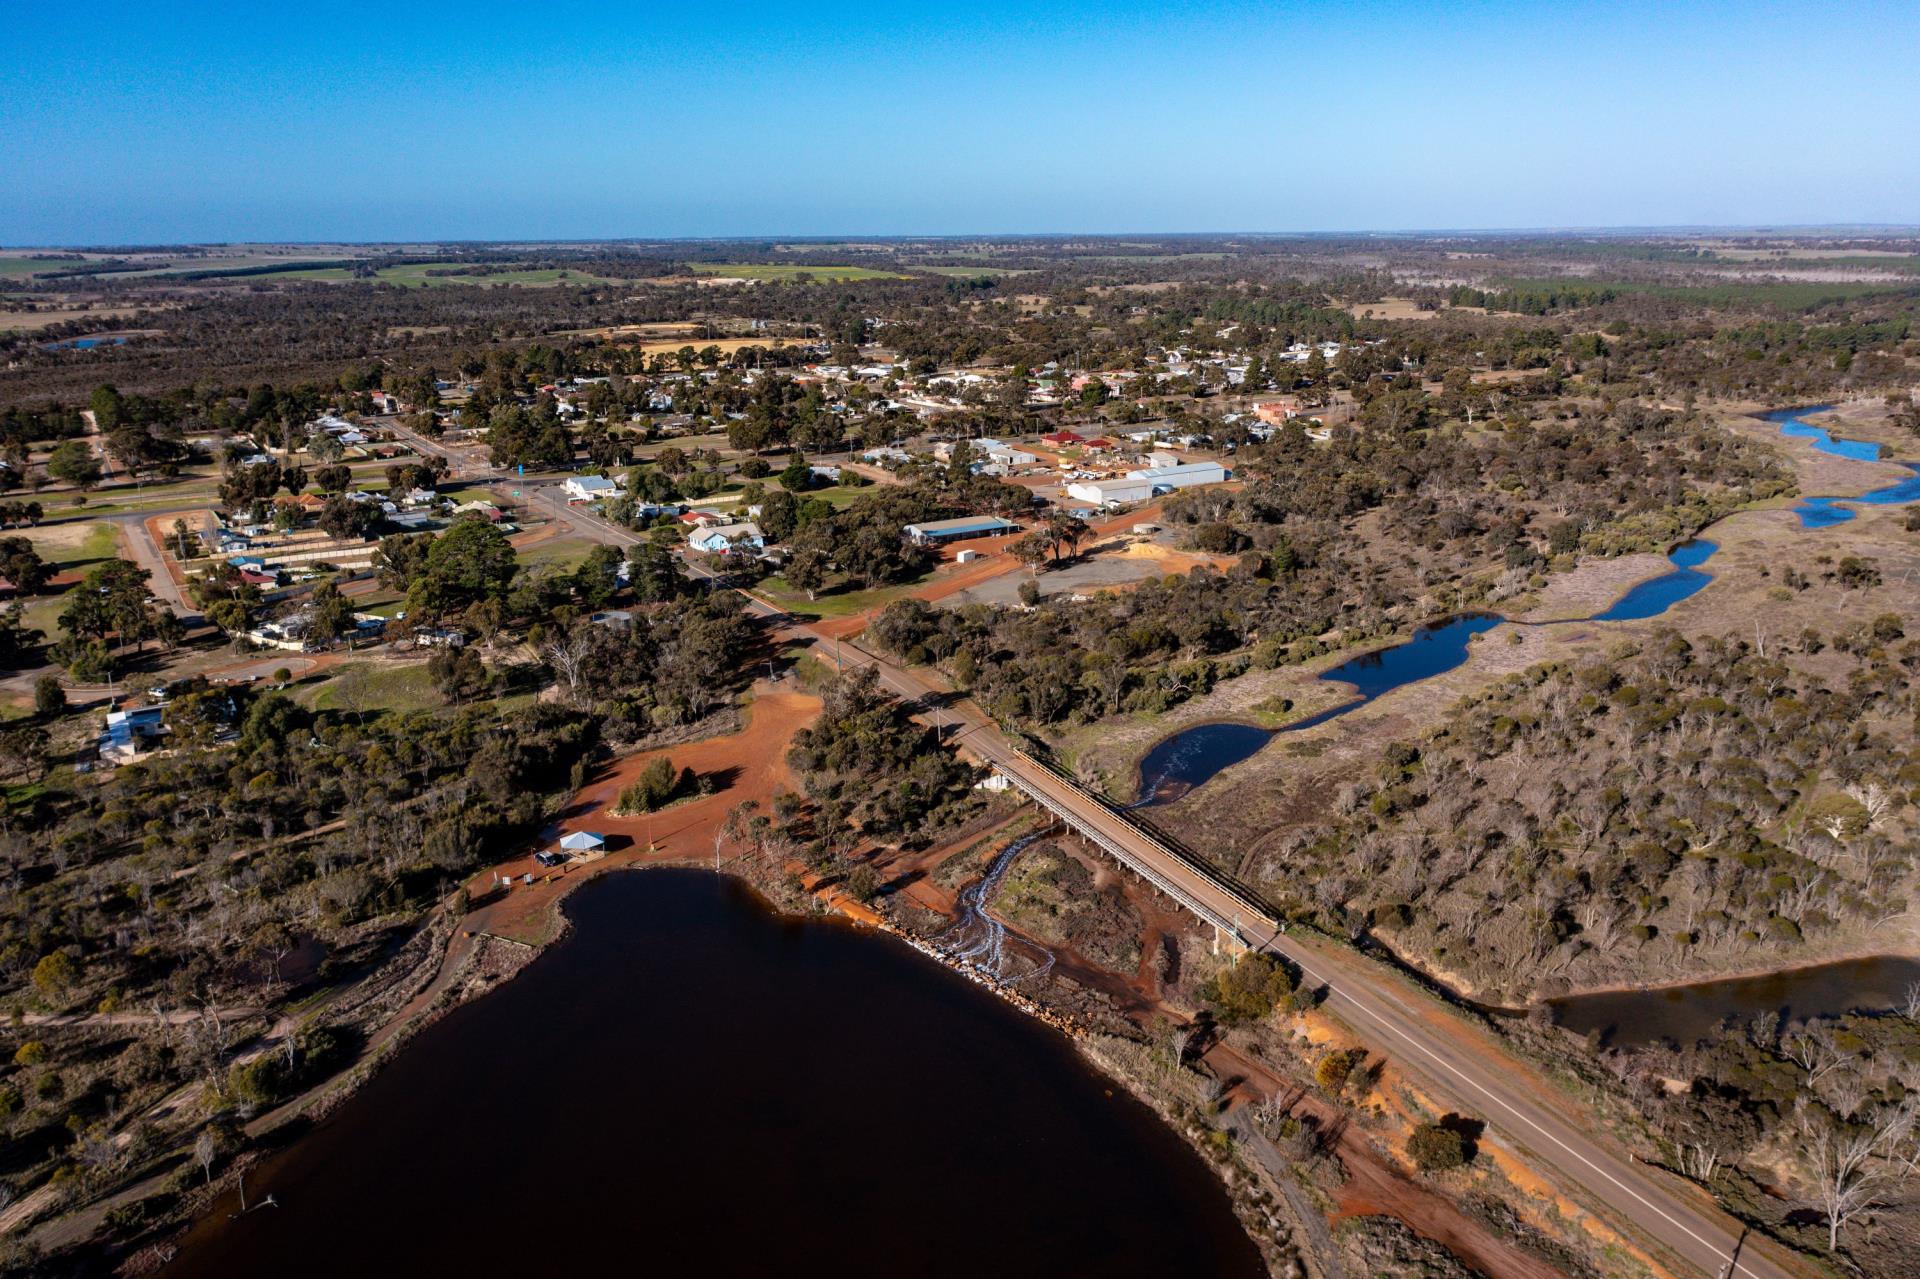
column 1853, row 1166
column 566, row 656
column 206, row 1149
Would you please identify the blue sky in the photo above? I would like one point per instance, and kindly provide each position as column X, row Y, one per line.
column 150, row 122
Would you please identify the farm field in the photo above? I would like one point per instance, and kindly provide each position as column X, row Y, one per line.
column 783, row 272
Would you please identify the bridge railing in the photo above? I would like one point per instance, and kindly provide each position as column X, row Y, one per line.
column 1257, row 914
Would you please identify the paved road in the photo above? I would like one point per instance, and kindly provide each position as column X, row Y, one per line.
column 1454, row 1060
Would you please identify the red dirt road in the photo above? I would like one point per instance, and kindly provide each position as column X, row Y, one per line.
column 750, row 764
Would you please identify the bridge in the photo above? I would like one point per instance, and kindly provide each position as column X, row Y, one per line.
column 1457, row 1062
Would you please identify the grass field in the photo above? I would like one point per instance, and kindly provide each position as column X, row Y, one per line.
column 782, row 272
column 34, row 266
column 369, row 686
column 833, row 602
column 415, row 275
column 558, row 552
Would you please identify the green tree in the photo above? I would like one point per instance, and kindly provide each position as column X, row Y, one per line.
column 1434, row 1148
column 49, row 697
column 74, row 462
column 1248, row 989
column 55, row 974
column 653, row 789
column 470, row 562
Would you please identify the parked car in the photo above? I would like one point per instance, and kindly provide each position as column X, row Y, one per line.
column 549, row 859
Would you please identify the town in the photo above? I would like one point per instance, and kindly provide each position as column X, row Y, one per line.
column 1298, row 755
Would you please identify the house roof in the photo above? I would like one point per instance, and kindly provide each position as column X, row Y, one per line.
column 729, row 532
column 964, row 524
column 583, row 839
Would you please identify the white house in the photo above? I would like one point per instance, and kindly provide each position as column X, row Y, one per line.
column 1166, row 478
column 726, row 537
column 1101, row 492
column 590, row 488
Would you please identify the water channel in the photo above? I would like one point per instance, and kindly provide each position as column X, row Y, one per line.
column 1686, row 1014
column 688, row 1084
column 1192, row 757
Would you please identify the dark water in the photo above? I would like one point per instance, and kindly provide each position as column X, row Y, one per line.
column 1825, row 512
column 1656, row 595
column 1685, row 1014
column 690, row 1086
column 1189, row 759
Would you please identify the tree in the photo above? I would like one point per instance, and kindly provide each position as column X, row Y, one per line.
column 469, row 562
column 332, row 612
column 458, row 673
column 1334, row 1069
column 597, row 578
column 74, row 462
column 653, row 573
column 111, row 600
column 1030, row 549
column 23, row 750
column 806, row 571
column 20, row 563
column 1436, row 1148
column 1248, row 989
column 49, row 697
column 17, row 639
column 1853, row 1164
column 185, row 542
column 55, row 974
column 653, row 789
column 347, row 520
column 1066, row 530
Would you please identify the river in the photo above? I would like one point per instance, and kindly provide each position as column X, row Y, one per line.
column 688, row 1084
column 1193, row 756
column 1685, row 1014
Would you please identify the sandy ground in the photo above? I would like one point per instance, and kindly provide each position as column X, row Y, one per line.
column 1125, row 561
column 751, row 764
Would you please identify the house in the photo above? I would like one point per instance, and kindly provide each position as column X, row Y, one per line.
column 702, row 519
column 590, row 488
column 1167, row 478
column 966, row 526
column 726, row 537
column 1275, row 412
column 1162, row 457
column 616, row 618
column 1111, row 492
column 1007, row 455
column 131, row 734
column 1061, row 439
column 1100, row 444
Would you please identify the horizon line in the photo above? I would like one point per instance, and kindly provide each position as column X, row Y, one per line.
column 1776, row 228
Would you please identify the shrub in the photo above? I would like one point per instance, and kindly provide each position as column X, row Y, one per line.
column 657, row 784
column 1436, row 1149
column 1334, row 1068
column 1248, row 989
